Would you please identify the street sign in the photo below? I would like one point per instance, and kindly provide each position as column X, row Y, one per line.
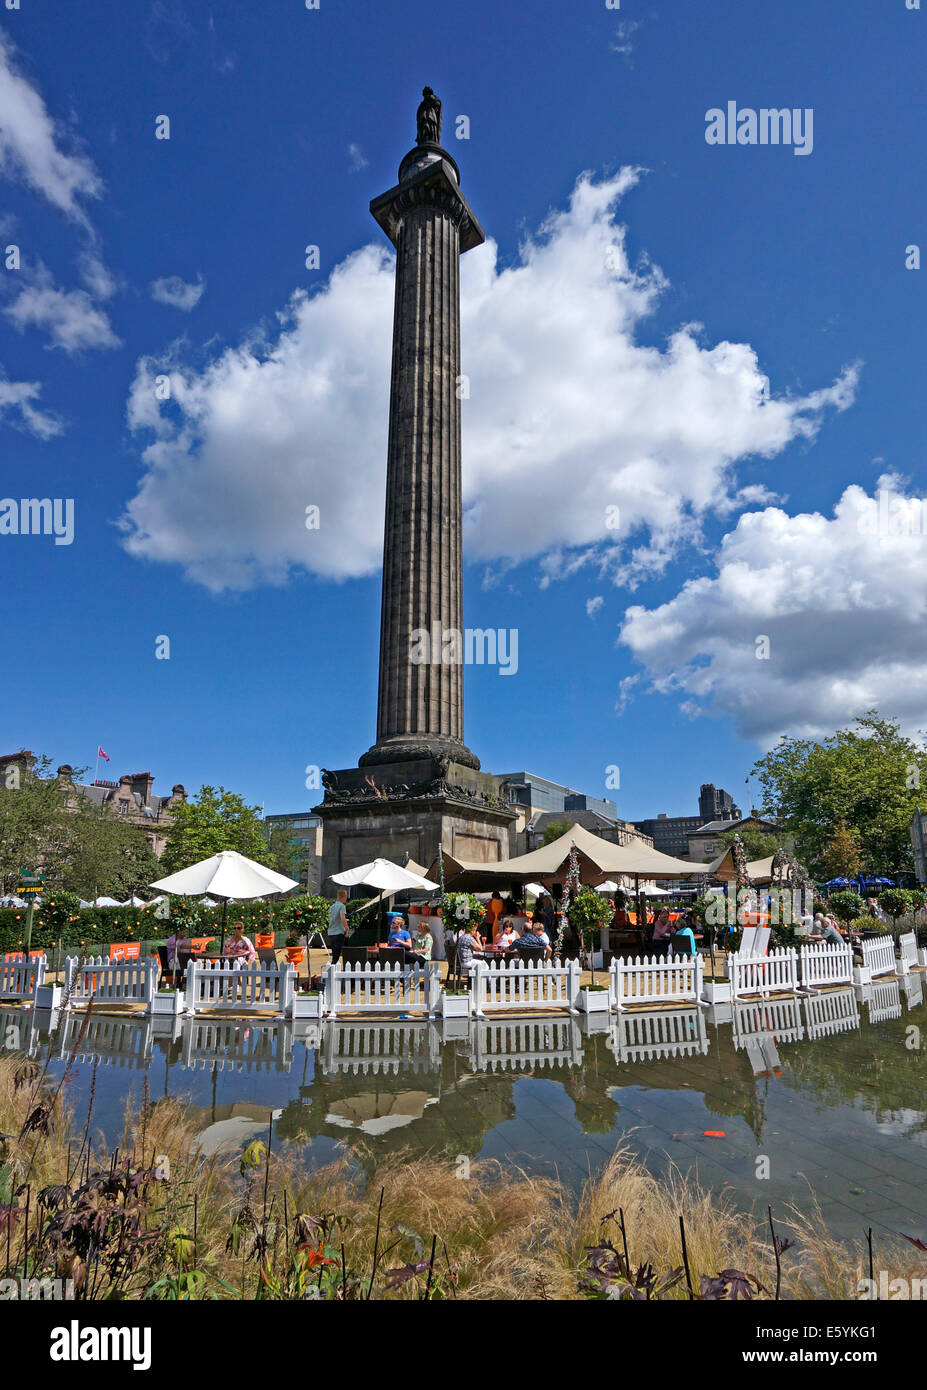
column 30, row 885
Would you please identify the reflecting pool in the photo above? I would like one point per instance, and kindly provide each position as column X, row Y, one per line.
column 825, row 1092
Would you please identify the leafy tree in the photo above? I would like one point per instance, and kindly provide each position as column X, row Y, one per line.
column 758, row 844
column 555, row 829
column 33, row 821
column 840, row 857
column 867, row 778
column 846, row 905
column 217, row 820
column 286, row 852
column 896, row 902
column 101, row 853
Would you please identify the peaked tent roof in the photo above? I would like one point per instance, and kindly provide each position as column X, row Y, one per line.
column 598, row 859
column 758, row 870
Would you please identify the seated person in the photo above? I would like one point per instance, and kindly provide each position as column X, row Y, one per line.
column 663, row 928
column 469, row 943
column 534, row 938
column 175, row 944
column 399, row 932
column 507, row 937
column 830, row 932
column 683, row 942
column 239, row 945
column 423, row 945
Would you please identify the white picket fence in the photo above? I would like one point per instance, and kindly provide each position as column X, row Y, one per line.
column 884, row 1000
column 225, row 1044
column 913, row 986
column 19, row 1031
column 649, row 1036
column 387, row 1048
column 116, row 1042
column 378, row 989
column 826, row 963
column 522, row 1044
column 775, row 973
column 231, row 985
column 109, row 981
column 878, row 959
column 908, row 947
column 19, row 977
column 827, row 1014
column 655, row 980
column 523, row 985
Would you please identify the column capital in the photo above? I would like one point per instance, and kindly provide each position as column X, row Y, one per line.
column 428, row 177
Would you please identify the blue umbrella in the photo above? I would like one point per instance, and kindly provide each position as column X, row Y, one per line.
column 837, row 883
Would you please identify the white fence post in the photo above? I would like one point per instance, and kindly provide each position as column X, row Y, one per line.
column 287, row 987
column 573, row 979
column 908, row 945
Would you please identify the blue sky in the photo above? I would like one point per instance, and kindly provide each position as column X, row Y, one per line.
column 739, row 518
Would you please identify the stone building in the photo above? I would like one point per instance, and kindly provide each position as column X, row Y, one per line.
column 131, row 797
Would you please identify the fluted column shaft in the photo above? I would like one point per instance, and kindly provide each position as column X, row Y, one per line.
column 422, row 543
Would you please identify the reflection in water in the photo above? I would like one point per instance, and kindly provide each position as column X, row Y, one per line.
column 828, row 1086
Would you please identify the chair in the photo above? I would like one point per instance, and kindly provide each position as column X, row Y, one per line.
column 390, row 954
column 353, row 955
column 169, row 975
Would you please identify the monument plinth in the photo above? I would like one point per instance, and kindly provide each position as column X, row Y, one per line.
column 419, row 785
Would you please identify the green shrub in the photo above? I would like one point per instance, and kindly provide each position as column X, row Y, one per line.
column 846, row 905
column 462, row 908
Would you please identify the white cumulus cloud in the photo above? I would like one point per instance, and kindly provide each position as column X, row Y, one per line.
column 178, row 293
column 17, row 407
column 70, row 317
column 33, row 146
column 841, row 602
column 582, row 447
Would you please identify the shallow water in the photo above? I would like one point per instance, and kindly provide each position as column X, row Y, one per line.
column 830, row 1092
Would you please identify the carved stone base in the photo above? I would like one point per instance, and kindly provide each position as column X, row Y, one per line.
column 394, row 809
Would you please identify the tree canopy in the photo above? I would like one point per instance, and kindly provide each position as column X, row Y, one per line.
column 215, row 821
column 84, row 849
column 866, row 779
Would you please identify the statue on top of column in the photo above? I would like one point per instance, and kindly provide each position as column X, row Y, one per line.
column 428, row 118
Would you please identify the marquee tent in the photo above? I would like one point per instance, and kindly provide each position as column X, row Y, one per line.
column 598, row 860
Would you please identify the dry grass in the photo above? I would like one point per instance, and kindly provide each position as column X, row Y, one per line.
column 504, row 1233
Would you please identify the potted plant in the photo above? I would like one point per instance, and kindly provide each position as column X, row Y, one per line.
column 306, row 1004
column 716, row 991
column 593, row 999
column 294, row 951
column 48, row 996
column 589, row 912
column 167, row 1003
column 455, row 1002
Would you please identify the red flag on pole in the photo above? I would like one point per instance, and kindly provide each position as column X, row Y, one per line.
column 101, row 754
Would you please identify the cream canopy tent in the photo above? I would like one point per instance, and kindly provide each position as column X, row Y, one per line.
column 759, row 871
column 598, row 860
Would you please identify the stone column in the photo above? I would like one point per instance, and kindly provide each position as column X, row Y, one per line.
column 420, row 705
